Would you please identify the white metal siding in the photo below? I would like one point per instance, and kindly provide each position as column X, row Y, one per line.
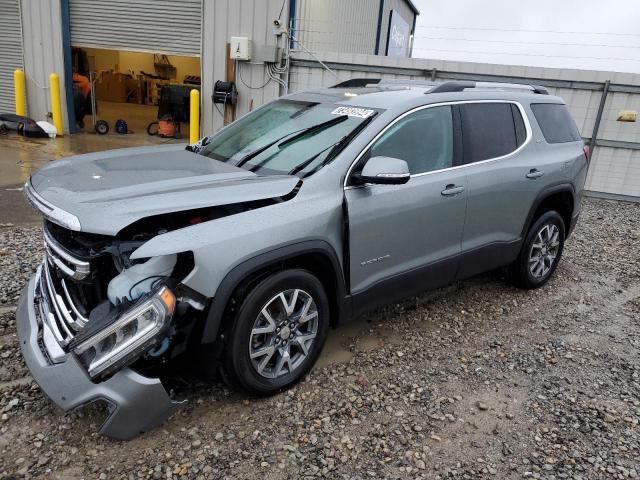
column 164, row 26
column 348, row 26
column 224, row 19
column 10, row 51
column 43, row 55
column 612, row 170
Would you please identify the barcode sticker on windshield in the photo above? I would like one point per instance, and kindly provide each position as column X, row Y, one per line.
column 353, row 112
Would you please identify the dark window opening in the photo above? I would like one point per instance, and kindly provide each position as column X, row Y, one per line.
column 556, row 123
column 488, row 131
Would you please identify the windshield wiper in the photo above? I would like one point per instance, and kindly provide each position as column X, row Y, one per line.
column 304, row 164
column 296, row 135
column 335, row 148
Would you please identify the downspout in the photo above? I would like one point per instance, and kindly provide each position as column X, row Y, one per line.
column 596, row 125
column 68, row 67
column 378, row 32
column 413, row 34
column 292, row 23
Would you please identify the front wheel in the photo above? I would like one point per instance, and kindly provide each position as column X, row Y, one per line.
column 541, row 251
column 278, row 332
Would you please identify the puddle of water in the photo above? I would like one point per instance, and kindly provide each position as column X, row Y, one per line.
column 359, row 335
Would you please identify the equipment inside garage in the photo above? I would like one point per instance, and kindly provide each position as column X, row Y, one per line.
column 139, row 88
column 143, row 57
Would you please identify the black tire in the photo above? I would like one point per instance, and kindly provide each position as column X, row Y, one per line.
column 520, row 272
column 101, row 127
column 238, row 367
column 152, row 128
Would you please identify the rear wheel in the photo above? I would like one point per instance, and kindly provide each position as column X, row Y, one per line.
column 541, row 251
column 278, row 332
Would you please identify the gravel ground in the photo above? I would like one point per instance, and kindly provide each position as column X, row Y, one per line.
column 477, row 380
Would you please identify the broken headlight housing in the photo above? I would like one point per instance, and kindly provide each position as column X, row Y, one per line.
column 133, row 332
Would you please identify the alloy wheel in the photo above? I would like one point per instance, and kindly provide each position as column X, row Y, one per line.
column 544, row 250
column 283, row 334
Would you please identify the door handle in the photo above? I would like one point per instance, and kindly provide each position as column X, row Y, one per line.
column 452, row 189
column 534, row 173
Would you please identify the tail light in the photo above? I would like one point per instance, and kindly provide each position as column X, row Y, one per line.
column 587, row 152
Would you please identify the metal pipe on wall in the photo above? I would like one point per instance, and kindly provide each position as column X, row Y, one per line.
column 596, row 125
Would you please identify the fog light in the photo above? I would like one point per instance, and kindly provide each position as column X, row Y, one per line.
column 126, row 338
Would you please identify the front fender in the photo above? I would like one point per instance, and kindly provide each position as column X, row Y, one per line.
column 220, row 245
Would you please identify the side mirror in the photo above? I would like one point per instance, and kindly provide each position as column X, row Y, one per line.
column 384, row 171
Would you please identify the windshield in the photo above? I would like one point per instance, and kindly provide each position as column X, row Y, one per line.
column 287, row 137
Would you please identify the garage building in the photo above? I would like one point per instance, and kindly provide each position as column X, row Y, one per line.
column 134, row 49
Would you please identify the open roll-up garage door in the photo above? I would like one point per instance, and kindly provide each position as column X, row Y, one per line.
column 160, row 26
column 10, row 51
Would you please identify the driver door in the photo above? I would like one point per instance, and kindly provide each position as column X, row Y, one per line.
column 407, row 238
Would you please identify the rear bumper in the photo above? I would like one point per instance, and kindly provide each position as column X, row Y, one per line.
column 136, row 403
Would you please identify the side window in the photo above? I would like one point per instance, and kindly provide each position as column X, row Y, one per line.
column 555, row 122
column 424, row 139
column 488, row 131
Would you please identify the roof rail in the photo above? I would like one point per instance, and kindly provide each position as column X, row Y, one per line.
column 357, row 82
column 450, row 86
column 540, row 89
column 455, row 86
column 461, row 85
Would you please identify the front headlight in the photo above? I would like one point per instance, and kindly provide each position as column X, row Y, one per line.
column 127, row 337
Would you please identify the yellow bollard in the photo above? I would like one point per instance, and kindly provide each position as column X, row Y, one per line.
column 194, row 118
column 56, row 107
column 18, row 84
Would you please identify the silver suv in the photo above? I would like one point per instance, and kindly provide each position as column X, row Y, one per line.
column 241, row 251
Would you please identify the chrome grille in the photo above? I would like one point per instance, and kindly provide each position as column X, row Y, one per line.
column 61, row 319
column 59, row 257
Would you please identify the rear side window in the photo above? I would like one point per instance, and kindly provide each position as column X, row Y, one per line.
column 555, row 122
column 490, row 130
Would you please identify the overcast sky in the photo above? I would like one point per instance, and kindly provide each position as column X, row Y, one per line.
column 587, row 34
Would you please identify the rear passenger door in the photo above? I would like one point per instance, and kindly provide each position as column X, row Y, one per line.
column 501, row 167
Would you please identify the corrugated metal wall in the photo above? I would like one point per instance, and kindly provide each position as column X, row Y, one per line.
column 223, row 19
column 337, row 25
column 163, row 26
column 405, row 12
column 10, row 51
column 613, row 170
column 346, row 26
column 43, row 55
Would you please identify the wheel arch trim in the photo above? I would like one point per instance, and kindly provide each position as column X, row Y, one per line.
column 239, row 273
column 542, row 196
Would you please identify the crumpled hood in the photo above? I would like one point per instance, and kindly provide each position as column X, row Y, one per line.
column 107, row 191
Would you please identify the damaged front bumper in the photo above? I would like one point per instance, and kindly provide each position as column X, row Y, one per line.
column 136, row 403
